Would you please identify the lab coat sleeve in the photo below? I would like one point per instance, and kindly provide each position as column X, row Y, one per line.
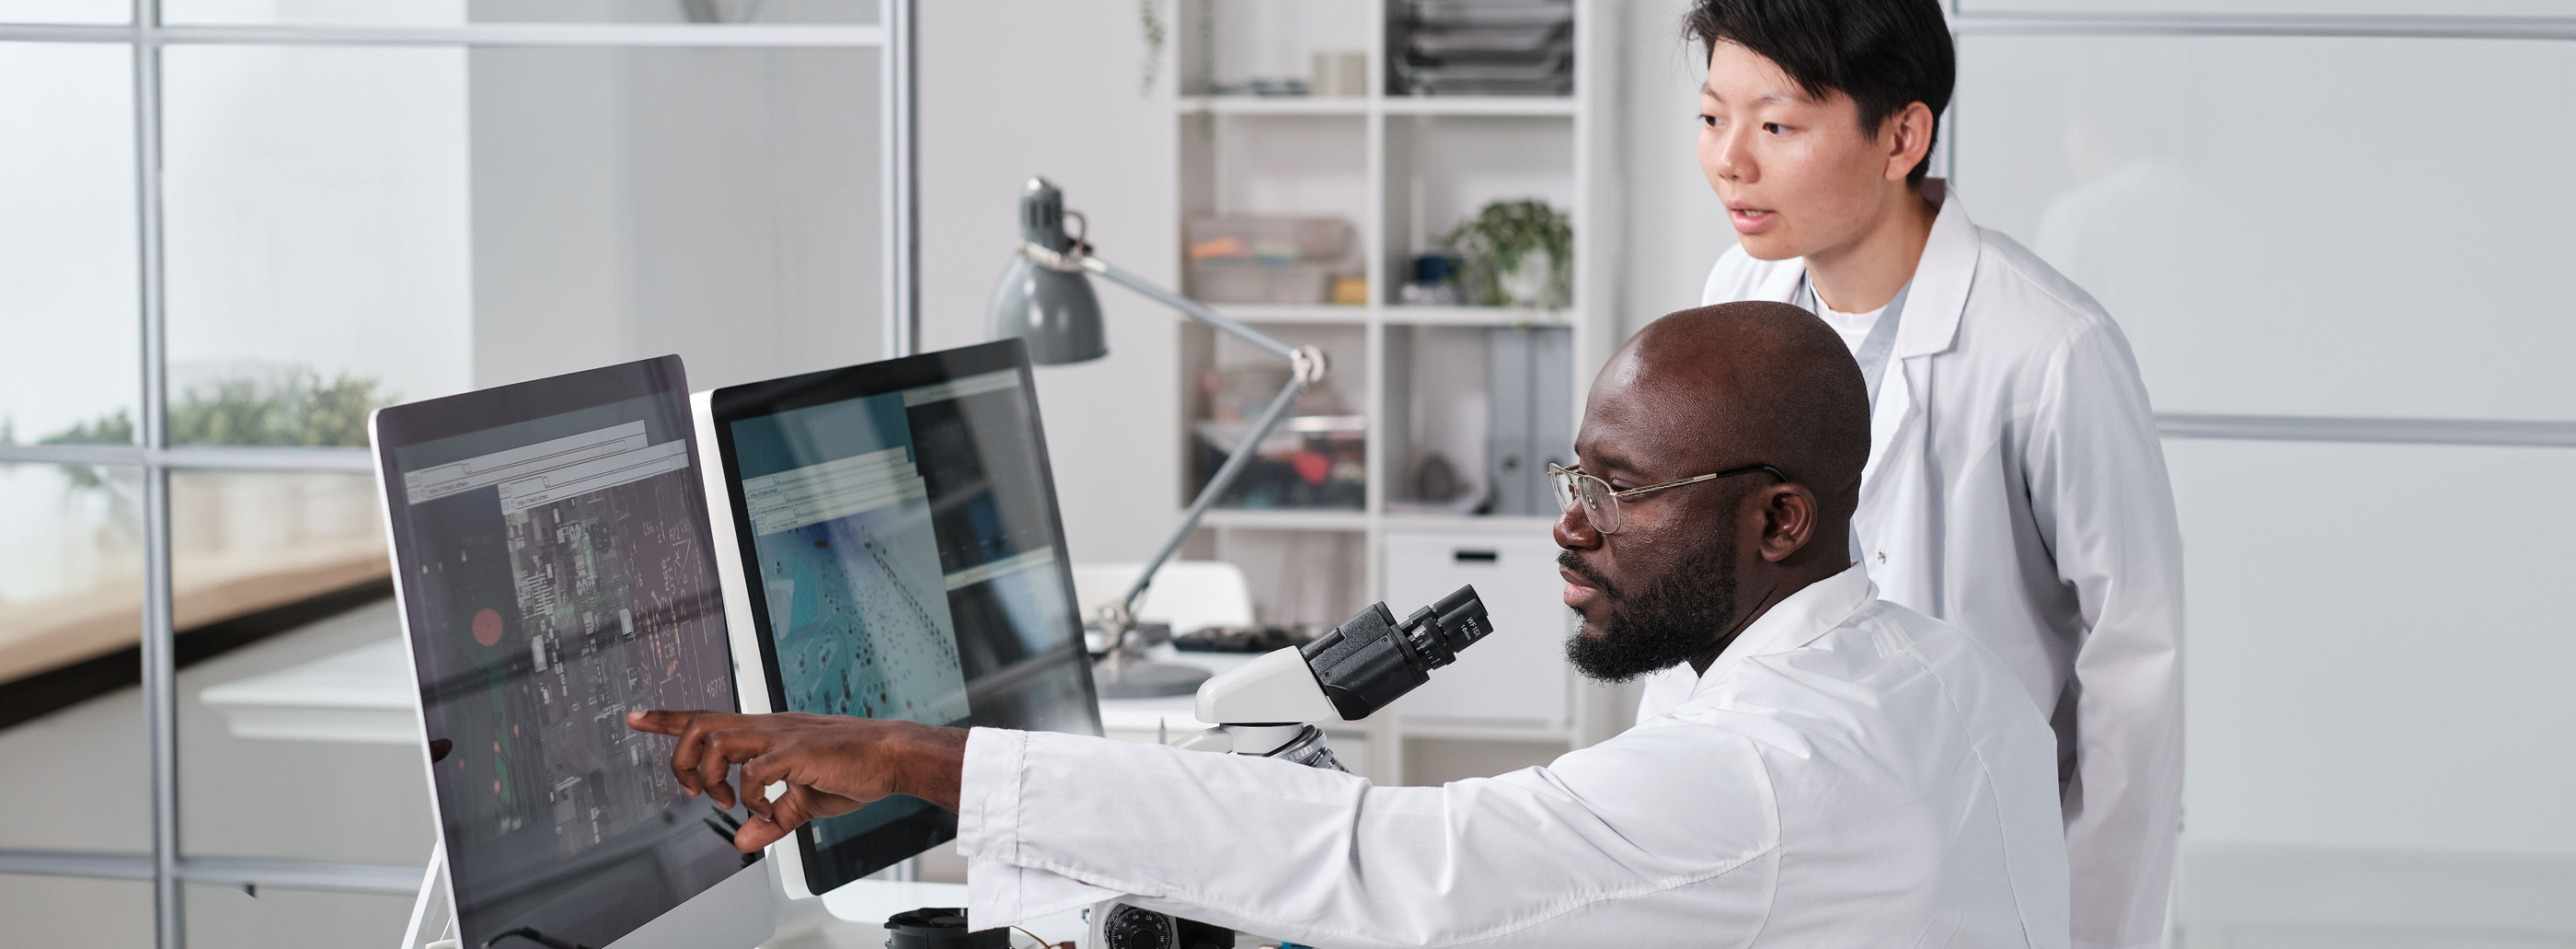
column 2102, row 501
column 1658, row 831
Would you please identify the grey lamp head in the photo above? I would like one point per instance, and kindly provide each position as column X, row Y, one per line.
column 1053, row 311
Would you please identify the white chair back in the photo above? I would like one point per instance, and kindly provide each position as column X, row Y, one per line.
column 1189, row 594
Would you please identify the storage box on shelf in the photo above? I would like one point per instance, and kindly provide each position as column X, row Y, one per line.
column 1273, row 260
column 1459, row 47
column 1468, row 103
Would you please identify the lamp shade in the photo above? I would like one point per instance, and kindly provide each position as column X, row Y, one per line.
column 1053, row 311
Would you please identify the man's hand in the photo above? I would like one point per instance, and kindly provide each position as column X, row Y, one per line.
column 831, row 764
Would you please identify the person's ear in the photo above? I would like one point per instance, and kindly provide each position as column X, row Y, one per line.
column 1908, row 137
column 1788, row 520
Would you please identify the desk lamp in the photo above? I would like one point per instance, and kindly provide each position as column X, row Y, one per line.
column 1045, row 299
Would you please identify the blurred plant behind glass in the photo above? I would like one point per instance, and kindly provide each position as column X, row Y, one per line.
column 291, row 407
column 241, row 541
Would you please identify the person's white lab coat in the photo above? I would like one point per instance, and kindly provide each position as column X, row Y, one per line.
column 2016, row 487
column 1847, row 773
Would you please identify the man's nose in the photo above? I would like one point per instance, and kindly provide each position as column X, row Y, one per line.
column 1574, row 530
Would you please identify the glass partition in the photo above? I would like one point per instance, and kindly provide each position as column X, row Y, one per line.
column 2325, row 8
column 2377, row 713
column 2354, row 227
column 456, row 12
column 71, row 312
column 354, row 204
column 66, row 11
column 71, row 612
column 355, row 226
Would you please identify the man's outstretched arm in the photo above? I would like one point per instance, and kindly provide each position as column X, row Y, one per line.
column 831, row 764
column 1536, row 857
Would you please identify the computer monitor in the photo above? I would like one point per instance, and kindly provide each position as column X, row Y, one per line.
column 555, row 570
column 895, row 525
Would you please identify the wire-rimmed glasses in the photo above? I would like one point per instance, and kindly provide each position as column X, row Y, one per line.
column 1601, row 504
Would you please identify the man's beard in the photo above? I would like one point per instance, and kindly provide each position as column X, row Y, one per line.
column 1669, row 621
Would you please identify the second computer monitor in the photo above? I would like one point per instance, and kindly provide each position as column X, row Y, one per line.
column 903, row 558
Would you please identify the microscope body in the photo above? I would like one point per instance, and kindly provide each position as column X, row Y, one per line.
column 1345, row 675
column 1268, row 707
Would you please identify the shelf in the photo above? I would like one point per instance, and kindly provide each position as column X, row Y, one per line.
column 1400, row 315
column 1477, row 105
column 1275, row 105
column 1402, row 169
column 1534, row 106
column 1397, row 315
column 1511, row 524
column 1274, row 519
column 1274, row 313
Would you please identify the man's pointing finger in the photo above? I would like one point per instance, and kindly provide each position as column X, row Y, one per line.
column 660, row 721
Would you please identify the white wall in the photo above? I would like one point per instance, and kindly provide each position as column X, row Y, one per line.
column 1032, row 87
column 1676, row 227
column 68, row 300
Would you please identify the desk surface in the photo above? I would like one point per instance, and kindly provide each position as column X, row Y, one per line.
column 364, row 695
column 854, row 916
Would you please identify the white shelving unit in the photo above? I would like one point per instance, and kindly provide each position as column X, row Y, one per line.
column 1402, row 169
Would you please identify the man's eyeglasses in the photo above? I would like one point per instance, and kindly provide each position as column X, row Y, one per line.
column 1601, row 505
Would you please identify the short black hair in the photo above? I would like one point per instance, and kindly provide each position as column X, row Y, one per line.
column 1884, row 54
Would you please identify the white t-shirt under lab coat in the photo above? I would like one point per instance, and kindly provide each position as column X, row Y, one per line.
column 1852, row 327
column 1848, row 773
column 2016, row 487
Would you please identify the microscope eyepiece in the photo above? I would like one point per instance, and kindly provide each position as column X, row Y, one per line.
column 1371, row 660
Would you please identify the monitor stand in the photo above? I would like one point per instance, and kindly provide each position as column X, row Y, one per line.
column 744, row 902
column 433, row 923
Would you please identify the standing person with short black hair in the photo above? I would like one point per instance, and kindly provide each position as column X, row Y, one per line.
column 2015, row 484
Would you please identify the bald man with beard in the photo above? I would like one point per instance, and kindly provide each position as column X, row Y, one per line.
column 1843, row 772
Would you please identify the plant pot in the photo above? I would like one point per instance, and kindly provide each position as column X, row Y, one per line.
column 1526, row 282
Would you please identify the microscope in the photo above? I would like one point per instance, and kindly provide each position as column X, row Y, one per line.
column 1268, row 707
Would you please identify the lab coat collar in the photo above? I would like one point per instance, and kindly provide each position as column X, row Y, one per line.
column 1930, row 322
column 1931, row 318
column 1796, row 621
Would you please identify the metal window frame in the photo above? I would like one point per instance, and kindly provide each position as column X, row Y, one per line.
column 145, row 36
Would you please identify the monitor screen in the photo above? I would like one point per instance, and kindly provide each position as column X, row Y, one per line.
column 555, row 572
column 898, row 523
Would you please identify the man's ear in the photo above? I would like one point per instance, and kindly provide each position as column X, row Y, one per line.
column 1907, row 136
column 1788, row 520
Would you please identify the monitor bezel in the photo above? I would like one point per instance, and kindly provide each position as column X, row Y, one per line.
column 829, row 868
column 726, row 913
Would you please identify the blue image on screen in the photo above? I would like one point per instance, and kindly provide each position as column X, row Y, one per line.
column 850, row 572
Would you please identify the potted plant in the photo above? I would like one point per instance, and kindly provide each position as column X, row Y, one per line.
column 1517, row 253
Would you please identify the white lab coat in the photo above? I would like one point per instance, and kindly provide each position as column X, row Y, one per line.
column 1848, row 773
column 2016, row 487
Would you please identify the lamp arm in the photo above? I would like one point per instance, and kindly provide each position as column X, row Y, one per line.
column 1225, row 475
column 1193, row 308
column 1307, row 368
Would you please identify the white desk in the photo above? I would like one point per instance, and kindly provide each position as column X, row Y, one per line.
column 363, row 695
column 854, row 916
column 1176, row 716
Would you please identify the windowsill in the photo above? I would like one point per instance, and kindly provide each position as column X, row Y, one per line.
column 50, row 634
